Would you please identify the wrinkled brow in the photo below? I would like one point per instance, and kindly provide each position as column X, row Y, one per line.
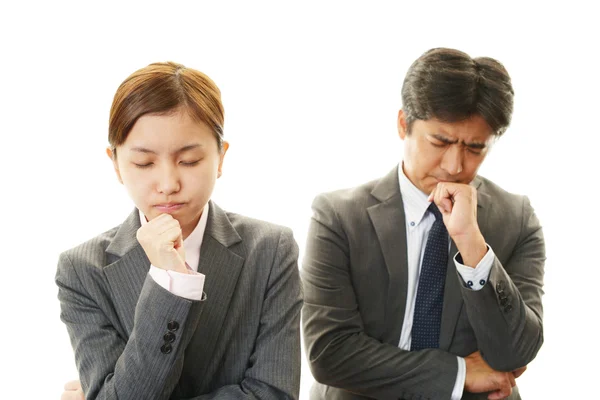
column 473, row 145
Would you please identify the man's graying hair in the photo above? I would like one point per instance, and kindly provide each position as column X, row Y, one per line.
column 449, row 85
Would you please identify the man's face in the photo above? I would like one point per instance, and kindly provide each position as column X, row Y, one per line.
column 169, row 164
column 436, row 151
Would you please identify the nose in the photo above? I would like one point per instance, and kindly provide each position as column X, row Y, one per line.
column 168, row 180
column 452, row 160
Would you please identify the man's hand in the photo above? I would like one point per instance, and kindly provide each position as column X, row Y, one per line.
column 162, row 240
column 518, row 372
column 482, row 378
column 73, row 391
column 458, row 204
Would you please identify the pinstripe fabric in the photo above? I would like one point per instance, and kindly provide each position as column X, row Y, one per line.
column 241, row 342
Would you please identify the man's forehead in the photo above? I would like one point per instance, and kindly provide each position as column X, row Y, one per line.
column 473, row 129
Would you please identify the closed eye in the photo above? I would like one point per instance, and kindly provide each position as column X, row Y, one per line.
column 472, row 150
column 143, row 165
column 439, row 144
column 189, row 163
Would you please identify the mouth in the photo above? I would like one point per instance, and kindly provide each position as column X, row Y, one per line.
column 168, row 207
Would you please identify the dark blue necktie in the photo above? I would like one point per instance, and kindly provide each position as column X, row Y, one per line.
column 430, row 292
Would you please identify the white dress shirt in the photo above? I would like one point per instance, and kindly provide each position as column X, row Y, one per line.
column 418, row 225
column 189, row 286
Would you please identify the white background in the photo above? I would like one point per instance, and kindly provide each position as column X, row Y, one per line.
column 311, row 92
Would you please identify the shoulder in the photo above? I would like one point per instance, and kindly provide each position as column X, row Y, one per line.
column 348, row 199
column 89, row 254
column 502, row 201
column 258, row 233
column 510, row 210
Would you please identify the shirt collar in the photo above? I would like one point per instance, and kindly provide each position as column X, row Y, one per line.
column 194, row 240
column 415, row 201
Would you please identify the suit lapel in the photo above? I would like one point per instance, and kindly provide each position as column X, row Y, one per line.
column 484, row 206
column 453, row 301
column 388, row 221
column 221, row 261
column 127, row 273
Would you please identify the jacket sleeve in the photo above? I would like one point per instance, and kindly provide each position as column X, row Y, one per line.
column 506, row 314
column 111, row 366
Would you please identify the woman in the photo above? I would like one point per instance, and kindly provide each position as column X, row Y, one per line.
column 183, row 299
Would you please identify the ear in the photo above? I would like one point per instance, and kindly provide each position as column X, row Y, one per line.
column 113, row 157
column 222, row 157
column 402, row 127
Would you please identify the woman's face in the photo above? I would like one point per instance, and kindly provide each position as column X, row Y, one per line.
column 169, row 164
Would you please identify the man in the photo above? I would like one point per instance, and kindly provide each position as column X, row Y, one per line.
column 427, row 283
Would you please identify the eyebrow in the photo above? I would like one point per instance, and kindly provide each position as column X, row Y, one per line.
column 189, row 147
column 473, row 145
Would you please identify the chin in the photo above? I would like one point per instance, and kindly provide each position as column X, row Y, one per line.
column 428, row 187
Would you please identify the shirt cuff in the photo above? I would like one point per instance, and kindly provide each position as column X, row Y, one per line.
column 460, row 379
column 476, row 278
column 188, row 286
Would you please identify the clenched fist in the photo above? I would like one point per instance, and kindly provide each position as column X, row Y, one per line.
column 458, row 204
column 162, row 240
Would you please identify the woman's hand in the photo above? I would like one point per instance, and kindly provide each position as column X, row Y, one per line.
column 73, row 391
column 162, row 241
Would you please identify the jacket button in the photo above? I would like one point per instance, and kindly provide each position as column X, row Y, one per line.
column 170, row 336
column 166, row 348
column 503, row 301
column 508, row 308
column 172, row 326
column 500, row 287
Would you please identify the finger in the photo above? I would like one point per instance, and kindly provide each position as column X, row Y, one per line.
column 161, row 218
column 504, row 388
column 169, row 227
column 511, row 379
column 434, row 195
column 159, row 222
column 445, row 205
column 163, row 221
column 501, row 393
column 155, row 227
column 474, row 355
column 72, row 385
column 497, row 395
column 173, row 235
column 431, row 197
column 518, row 372
column 72, row 395
column 441, row 197
column 179, row 242
column 494, row 395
